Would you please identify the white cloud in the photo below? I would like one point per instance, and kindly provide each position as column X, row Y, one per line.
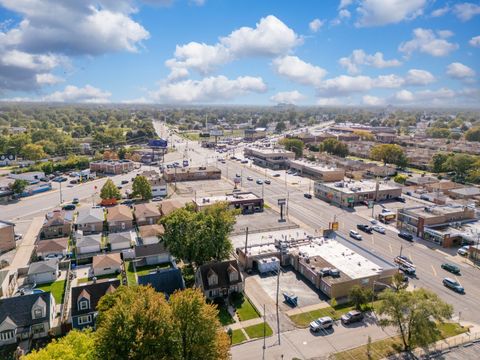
column 466, row 11
column 48, row 79
column 344, row 14
column 440, row 11
column 140, row 100
column 199, row 2
column 426, row 41
column 425, row 96
column 404, row 96
column 298, row 70
column 315, row 25
column 358, row 57
column 329, row 101
column 87, row 94
column 208, row 90
column 344, row 4
column 383, row 12
column 459, row 71
column 419, row 77
column 388, row 81
column 344, row 85
column 288, row 97
column 445, row 34
column 373, row 100
column 271, row 37
column 475, row 41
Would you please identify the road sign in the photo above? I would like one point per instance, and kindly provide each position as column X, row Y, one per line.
column 160, row 143
column 282, row 201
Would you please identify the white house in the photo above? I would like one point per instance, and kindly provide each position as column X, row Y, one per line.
column 121, row 240
column 42, row 272
column 106, row 264
column 88, row 243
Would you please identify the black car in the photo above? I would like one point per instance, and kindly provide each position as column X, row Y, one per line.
column 276, row 175
column 365, row 228
column 307, row 195
column 401, row 199
column 69, row 207
column 124, row 182
column 406, row 236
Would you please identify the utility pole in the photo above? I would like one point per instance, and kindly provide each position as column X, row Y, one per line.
column 278, row 290
column 288, row 200
column 61, row 200
column 246, row 241
column 264, row 330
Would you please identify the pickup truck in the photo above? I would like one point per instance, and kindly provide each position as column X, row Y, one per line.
column 403, row 260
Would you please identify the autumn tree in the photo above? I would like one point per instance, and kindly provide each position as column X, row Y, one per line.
column 141, row 187
column 76, row 345
column 110, row 191
column 416, row 315
column 389, row 154
column 365, row 135
column 33, row 152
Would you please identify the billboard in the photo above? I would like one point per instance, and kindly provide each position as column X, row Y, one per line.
column 159, row 143
column 216, row 132
column 9, row 157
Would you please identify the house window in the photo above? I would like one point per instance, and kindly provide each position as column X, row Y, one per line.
column 85, row 319
column 7, row 335
column 37, row 329
column 233, row 276
column 123, row 226
column 37, row 313
column 83, row 305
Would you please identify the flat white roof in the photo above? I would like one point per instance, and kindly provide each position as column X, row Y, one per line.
column 229, row 197
column 267, row 150
column 315, row 165
column 351, row 186
column 341, row 257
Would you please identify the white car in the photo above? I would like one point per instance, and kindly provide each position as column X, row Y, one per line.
column 463, row 251
column 379, row 229
column 323, row 323
column 354, row 234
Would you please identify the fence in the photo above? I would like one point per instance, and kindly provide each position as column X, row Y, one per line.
column 443, row 346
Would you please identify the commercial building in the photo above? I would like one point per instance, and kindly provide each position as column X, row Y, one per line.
column 317, row 171
column 113, row 167
column 32, row 176
column 351, row 193
column 275, row 159
column 7, row 236
column 246, row 202
column 438, row 224
column 192, row 174
column 328, row 265
column 255, row 134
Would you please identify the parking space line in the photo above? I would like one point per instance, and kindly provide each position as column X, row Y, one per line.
column 434, row 271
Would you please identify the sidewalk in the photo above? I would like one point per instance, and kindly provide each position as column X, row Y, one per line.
column 246, row 323
column 300, row 310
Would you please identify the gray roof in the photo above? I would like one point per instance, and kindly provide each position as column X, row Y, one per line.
column 116, row 238
column 165, row 281
column 43, row 266
column 467, row 191
column 89, row 240
column 149, row 250
column 19, row 309
column 90, row 215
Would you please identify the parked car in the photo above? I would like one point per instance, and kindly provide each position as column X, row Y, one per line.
column 266, row 181
column 453, row 285
column 53, row 256
column 249, row 178
column 276, row 175
column 463, row 251
column 18, row 237
column 454, row 269
column 406, row 236
column 364, row 228
column 352, row 317
column 307, row 195
column 322, row 323
column 244, row 161
column 259, row 181
column 157, row 198
column 75, row 201
column 124, row 182
column 354, row 234
column 379, row 229
column 238, row 175
column 69, row 207
column 401, row 199
column 406, row 269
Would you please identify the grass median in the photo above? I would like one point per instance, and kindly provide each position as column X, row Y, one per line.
column 256, row 331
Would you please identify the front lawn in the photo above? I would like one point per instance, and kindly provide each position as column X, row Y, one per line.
column 451, row 329
column 238, row 336
column 256, row 331
column 224, row 316
column 244, row 308
column 57, row 289
column 131, row 279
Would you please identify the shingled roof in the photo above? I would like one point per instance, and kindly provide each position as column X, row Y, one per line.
column 19, row 309
column 95, row 291
column 222, row 270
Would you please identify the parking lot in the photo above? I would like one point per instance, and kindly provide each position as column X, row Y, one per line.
column 261, row 222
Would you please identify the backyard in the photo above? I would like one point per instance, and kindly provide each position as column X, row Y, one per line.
column 106, row 276
column 145, row 270
column 57, row 289
column 131, row 279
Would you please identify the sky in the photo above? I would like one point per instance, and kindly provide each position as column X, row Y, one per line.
column 260, row 52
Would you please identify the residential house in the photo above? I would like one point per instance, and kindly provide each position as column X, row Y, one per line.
column 8, row 282
column 157, row 183
column 119, row 218
column 166, row 281
column 169, row 206
column 57, row 223
column 217, row 279
column 121, row 240
column 27, row 316
column 146, row 214
column 42, row 272
column 88, row 243
column 105, row 264
column 150, row 234
column 84, row 301
column 57, row 247
column 90, row 220
column 152, row 254
column 7, row 236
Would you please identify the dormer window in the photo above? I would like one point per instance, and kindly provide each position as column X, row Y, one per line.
column 212, row 278
column 37, row 313
column 232, row 273
column 83, row 305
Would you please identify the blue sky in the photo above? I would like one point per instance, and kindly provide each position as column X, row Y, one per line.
column 349, row 52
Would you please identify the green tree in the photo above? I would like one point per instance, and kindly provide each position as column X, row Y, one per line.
column 294, row 145
column 76, row 345
column 460, row 164
column 473, row 134
column 17, row 142
column 360, row 296
column 415, row 314
column 438, row 162
column 400, row 178
column 334, row 147
column 110, row 191
column 141, row 187
column 280, row 127
column 18, row 186
column 33, row 152
column 438, row 133
column 200, row 334
column 135, row 323
column 398, row 282
column 365, row 135
column 389, row 154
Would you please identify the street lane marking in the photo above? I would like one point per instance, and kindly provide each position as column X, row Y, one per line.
column 391, row 249
column 410, row 255
column 434, row 271
column 373, row 240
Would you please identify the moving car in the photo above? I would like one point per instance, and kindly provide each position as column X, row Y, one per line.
column 379, row 229
column 402, row 259
column 238, row 175
column 249, row 178
column 453, row 285
column 352, row 317
column 266, row 181
column 406, row 269
column 463, row 251
column 69, row 207
column 364, row 228
column 406, row 236
column 354, row 234
column 276, row 175
column 322, row 323
column 75, row 201
column 454, row 269
column 124, row 182
column 259, row 181
column 307, row 195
